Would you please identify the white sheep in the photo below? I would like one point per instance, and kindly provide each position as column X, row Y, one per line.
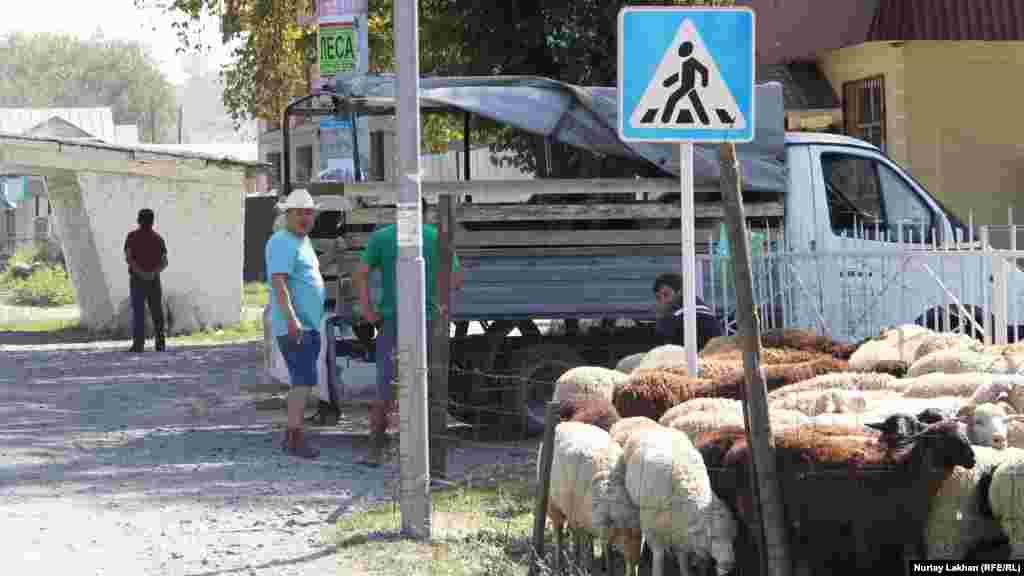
column 663, row 357
column 956, row 523
column 951, row 341
column 588, row 381
column 629, row 363
column 581, row 453
column 667, row 480
column 626, row 427
column 869, row 355
column 814, row 402
column 986, row 425
column 864, row 381
column 1004, row 499
column 955, row 361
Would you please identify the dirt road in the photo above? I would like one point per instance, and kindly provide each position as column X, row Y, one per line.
column 104, row 468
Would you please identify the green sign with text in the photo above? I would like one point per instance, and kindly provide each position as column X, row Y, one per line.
column 336, row 48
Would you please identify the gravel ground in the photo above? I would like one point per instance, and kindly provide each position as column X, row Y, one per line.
column 104, row 468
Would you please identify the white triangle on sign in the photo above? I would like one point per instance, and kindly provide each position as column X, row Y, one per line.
column 716, row 108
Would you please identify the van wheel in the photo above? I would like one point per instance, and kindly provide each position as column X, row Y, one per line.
column 935, row 318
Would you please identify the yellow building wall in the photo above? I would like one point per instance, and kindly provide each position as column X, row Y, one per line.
column 953, row 118
column 967, row 125
column 874, row 59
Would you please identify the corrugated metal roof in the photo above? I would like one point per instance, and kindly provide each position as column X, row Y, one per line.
column 96, row 121
column 991, row 20
column 799, row 30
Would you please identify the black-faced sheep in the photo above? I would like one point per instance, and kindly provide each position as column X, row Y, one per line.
column 880, row 507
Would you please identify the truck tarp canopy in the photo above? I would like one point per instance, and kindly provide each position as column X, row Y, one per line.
column 581, row 116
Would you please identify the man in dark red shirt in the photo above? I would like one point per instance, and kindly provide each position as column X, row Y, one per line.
column 146, row 254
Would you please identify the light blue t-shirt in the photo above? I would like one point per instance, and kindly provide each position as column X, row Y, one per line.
column 286, row 253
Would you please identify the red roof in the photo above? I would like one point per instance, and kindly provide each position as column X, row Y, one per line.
column 992, row 20
column 800, row 30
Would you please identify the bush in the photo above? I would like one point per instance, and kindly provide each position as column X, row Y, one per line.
column 47, row 286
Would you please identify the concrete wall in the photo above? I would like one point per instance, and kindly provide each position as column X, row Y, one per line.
column 96, row 193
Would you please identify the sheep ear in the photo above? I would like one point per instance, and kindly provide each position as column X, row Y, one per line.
column 880, row 426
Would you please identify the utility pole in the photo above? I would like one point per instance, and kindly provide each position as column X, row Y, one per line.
column 180, row 112
column 412, row 333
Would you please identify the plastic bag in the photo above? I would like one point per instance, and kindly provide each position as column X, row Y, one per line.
column 721, row 263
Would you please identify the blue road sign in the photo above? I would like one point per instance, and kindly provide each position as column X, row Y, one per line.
column 686, row 74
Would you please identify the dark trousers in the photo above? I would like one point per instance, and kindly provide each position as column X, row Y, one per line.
column 145, row 292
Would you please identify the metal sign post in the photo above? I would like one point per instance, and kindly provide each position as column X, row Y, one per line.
column 412, row 332
column 674, row 87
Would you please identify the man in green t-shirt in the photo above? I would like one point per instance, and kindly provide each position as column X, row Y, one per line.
column 381, row 253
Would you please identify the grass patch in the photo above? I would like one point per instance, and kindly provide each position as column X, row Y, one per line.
column 245, row 330
column 47, row 285
column 40, row 332
column 255, row 295
column 41, row 326
column 479, row 530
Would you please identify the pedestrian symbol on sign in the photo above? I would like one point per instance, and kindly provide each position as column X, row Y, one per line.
column 675, row 79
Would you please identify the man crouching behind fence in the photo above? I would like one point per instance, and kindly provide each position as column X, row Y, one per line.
column 381, row 253
column 297, row 308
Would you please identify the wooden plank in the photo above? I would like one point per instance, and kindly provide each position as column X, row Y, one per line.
column 384, row 192
column 512, row 238
column 566, row 212
column 441, row 352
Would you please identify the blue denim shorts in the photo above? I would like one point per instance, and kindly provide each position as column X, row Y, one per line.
column 301, row 357
column 387, row 341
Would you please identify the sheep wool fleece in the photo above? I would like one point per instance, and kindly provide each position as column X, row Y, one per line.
column 1004, row 497
column 589, row 381
column 955, row 522
column 667, row 480
column 580, row 451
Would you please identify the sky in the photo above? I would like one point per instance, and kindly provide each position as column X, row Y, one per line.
column 115, row 19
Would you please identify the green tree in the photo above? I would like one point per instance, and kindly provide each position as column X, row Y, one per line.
column 57, row 70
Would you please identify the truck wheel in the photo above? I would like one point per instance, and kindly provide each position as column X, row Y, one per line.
column 935, row 318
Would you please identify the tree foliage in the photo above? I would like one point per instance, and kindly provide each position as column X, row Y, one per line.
column 58, row 70
column 570, row 41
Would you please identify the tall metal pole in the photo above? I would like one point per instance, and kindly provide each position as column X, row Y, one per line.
column 686, row 224
column 412, row 337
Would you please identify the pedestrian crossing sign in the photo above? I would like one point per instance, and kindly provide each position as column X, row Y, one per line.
column 686, row 74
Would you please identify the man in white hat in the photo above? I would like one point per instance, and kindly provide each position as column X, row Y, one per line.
column 296, row 309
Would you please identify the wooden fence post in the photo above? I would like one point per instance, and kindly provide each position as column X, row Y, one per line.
column 540, row 513
column 772, row 542
column 439, row 361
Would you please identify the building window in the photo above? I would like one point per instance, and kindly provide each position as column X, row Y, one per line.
column 274, row 159
column 864, row 110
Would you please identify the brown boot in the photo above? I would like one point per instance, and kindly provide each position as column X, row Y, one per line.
column 297, row 445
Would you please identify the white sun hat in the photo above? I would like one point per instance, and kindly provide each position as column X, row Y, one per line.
column 300, row 199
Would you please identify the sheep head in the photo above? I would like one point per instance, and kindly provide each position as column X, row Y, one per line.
column 941, row 447
column 897, row 429
column 986, row 424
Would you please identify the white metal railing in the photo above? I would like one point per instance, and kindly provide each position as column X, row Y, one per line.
column 856, row 287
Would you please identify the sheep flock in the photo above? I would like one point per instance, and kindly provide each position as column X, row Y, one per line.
column 908, row 445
